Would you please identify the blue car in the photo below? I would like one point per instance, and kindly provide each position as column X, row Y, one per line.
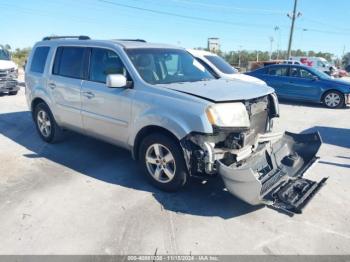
column 302, row 83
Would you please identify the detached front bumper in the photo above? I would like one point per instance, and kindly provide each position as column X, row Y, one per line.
column 273, row 175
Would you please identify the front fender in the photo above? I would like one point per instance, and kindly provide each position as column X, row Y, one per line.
column 177, row 124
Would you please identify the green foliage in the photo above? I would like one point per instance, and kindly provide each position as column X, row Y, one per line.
column 243, row 57
column 20, row 55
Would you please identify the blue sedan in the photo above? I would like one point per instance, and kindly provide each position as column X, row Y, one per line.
column 302, row 83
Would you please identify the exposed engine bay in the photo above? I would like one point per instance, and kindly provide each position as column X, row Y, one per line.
column 256, row 165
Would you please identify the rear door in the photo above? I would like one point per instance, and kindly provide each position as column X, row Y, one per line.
column 303, row 84
column 277, row 77
column 106, row 111
column 65, row 84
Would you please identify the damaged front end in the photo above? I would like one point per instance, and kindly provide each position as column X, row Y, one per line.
column 256, row 165
column 273, row 174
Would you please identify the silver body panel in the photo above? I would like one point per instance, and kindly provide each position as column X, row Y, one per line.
column 114, row 115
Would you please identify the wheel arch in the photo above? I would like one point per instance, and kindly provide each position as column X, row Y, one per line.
column 35, row 102
column 330, row 90
column 147, row 130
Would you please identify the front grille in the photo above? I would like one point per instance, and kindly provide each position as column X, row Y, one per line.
column 3, row 73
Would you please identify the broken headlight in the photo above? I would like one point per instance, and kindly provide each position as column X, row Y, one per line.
column 228, row 115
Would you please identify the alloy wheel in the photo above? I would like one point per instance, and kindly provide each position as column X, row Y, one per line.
column 160, row 163
column 44, row 123
column 332, row 99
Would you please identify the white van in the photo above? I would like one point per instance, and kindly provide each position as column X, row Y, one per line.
column 318, row 63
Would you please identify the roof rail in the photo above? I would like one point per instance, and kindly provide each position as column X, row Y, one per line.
column 134, row 40
column 80, row 37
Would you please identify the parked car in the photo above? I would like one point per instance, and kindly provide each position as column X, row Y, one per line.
column 219, row 67
column 176, row 119
column 8, row 74
column 302, row 83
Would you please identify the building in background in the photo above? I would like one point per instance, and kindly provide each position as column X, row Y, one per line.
column 214, row 44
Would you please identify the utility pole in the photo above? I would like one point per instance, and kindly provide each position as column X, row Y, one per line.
column 278, row 29
column 293, row 16
column 239, row 56
column 271, row 47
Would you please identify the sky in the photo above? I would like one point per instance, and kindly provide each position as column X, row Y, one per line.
column 247, row 24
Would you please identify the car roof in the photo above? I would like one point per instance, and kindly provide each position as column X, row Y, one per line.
column 279, row 65
column 123, row 43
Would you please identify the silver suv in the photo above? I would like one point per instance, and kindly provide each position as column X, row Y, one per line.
column 174, row 116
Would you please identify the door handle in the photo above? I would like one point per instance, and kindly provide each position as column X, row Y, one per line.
column 89, row 95
column 52, row 85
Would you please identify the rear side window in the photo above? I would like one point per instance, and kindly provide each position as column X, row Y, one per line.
column 69, row 62
column 39, row 59
column 278, row 71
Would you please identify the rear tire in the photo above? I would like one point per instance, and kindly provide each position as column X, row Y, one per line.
column 333, row 99
column 46, row 125
column 163, row 163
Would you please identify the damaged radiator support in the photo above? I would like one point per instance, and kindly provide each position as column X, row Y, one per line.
column 274, row 174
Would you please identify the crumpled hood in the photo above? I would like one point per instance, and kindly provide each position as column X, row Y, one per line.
column 7, row 64
column 220, row 90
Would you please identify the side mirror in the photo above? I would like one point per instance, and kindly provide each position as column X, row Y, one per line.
column 315, row 78
column 116, row 81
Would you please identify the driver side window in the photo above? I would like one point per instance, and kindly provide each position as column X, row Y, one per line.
column 104, row 62
column 301, row 73
column 306, row 74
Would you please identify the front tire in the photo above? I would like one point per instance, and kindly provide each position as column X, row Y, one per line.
column 333, row 99
column 13, row 93
column 46, row 125
column 162, row 161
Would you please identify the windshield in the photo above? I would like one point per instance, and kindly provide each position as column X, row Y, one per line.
column 165, row 66
column 221, row 64
column 4, row 55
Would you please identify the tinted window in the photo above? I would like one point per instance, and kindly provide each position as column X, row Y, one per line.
column 278, row 71
column 301, row 73
column 69, row 62
column 221, row 64
column 105, row 62
column 39, row 59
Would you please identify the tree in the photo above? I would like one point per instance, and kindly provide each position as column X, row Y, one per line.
column 6, row 47
column 20, row 55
